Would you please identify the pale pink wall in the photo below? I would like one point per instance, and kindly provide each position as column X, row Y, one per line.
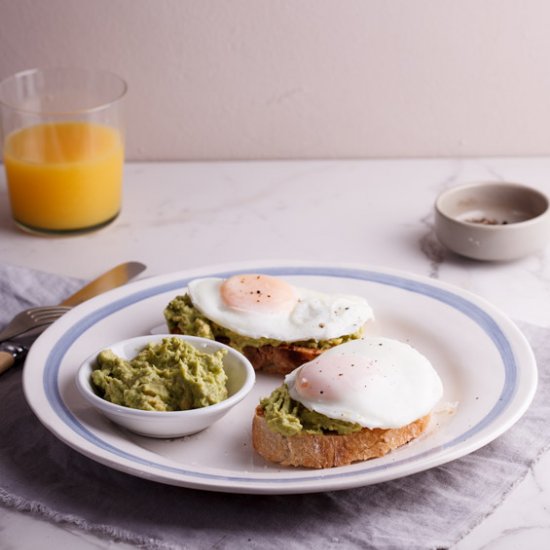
column 234, row 79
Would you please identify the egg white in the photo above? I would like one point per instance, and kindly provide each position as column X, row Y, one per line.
column 317, row 315
column 375, row 382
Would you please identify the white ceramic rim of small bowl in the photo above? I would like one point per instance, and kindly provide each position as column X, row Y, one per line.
column 488, row 227
column 85, row 386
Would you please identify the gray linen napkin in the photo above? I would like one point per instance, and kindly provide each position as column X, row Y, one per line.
column 432, row 509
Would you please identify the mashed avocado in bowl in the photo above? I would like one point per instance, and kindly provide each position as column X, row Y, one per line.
column 165, row 385
column 170, row 375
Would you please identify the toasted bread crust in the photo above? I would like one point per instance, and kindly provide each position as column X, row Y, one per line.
column 329, row 450
column 280, row 359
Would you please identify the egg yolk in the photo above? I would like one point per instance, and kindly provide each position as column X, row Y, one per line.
column 258, row 293
column 325, row 381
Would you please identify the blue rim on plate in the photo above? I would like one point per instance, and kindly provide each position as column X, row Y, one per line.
column 427, row 288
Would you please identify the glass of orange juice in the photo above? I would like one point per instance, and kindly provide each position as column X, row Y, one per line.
column 63, row 148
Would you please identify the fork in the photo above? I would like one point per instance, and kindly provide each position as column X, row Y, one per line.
column 32, row 318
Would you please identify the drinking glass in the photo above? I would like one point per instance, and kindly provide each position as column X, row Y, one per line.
column 63, row 148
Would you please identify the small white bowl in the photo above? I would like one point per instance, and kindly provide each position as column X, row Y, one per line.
column 493, row 220
column 167, row 424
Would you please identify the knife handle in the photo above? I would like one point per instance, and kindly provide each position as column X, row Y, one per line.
column 10, row 354
column 6, row 361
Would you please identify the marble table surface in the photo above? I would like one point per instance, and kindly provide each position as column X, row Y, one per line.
column 377, row 212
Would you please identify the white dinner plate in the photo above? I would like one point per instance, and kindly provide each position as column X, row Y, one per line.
column 486, row 365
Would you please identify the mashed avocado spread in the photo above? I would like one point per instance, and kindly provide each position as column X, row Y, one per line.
column 168, row 376
column 288, row 417
column 183, row 317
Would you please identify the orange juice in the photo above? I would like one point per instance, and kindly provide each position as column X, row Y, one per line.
column 64, row 176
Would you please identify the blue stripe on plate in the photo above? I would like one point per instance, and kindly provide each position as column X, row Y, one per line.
column 471, row 310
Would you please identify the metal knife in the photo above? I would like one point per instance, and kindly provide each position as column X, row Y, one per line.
column 12, row 351
column 117, row 276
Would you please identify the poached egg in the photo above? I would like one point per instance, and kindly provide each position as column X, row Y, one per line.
column 375, row 382
column 262, row 306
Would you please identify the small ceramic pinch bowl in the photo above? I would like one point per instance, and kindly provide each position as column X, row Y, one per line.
column 495, row 221
column 169, row 424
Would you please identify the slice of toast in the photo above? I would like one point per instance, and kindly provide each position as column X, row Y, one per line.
column 266, row 354
column 329, row 450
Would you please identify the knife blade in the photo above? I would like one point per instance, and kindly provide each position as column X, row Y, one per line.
column 14, row 350
column 117, row 276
